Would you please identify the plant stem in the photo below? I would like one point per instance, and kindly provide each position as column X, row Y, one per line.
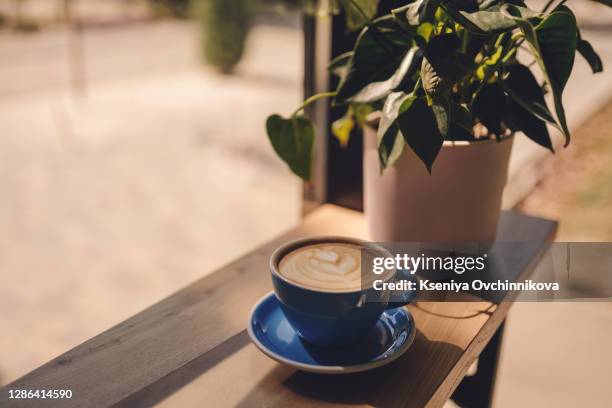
column 417, row 86
column 547, row 6
column 509, row 55
column 499, row 40
column 550, row 2
column 312, row 99
column 465, row 41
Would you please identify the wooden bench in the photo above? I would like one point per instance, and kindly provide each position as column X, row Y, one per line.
column 191, row 349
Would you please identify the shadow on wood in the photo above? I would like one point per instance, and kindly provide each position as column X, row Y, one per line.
column 380, row 387
column 168, row 385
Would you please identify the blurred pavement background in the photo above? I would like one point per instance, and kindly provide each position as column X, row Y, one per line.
column 153, row 174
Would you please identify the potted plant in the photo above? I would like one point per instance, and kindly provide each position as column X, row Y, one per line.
column 450, row 82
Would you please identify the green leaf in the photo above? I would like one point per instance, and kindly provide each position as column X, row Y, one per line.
column 293, row 140
column 359, row 12
column 389, row 149
column 586, row 50
column 343, row 127
column 489, row 107
column 443, row 52
column 442, row 112
column 379, row 90
column 521, row 114
column 523, row 87
column 492, row 21
column 417, row 12
column 434, row 84
column 440, row 46
column 443, row 64
column 417, row 122
column 520, row 119
column 425, row 31
column 553, row 44
column 557, row 37
column 487, row 4
column 378, row 53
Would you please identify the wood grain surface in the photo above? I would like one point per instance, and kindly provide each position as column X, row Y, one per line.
column 191, row 349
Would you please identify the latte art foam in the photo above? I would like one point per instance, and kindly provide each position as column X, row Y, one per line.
column 325, row 266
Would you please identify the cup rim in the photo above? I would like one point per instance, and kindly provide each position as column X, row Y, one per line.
column 287, row 247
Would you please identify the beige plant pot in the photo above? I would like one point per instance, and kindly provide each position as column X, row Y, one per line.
column 459, row 202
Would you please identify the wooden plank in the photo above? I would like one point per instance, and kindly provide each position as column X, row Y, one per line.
column 450, row 337
column 250, row 379
column 195, row 340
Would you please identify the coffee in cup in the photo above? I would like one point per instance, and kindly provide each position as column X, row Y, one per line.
column 322, row 292
column 327, row 266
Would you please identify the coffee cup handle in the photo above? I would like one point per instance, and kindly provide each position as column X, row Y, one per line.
column 406, row 296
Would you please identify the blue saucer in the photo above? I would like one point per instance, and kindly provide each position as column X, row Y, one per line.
column 274, row 336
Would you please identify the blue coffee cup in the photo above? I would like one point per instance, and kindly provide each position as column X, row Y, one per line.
column 326, row 318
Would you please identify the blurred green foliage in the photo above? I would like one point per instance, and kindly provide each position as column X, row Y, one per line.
column 224, row 26
column 174, row 8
